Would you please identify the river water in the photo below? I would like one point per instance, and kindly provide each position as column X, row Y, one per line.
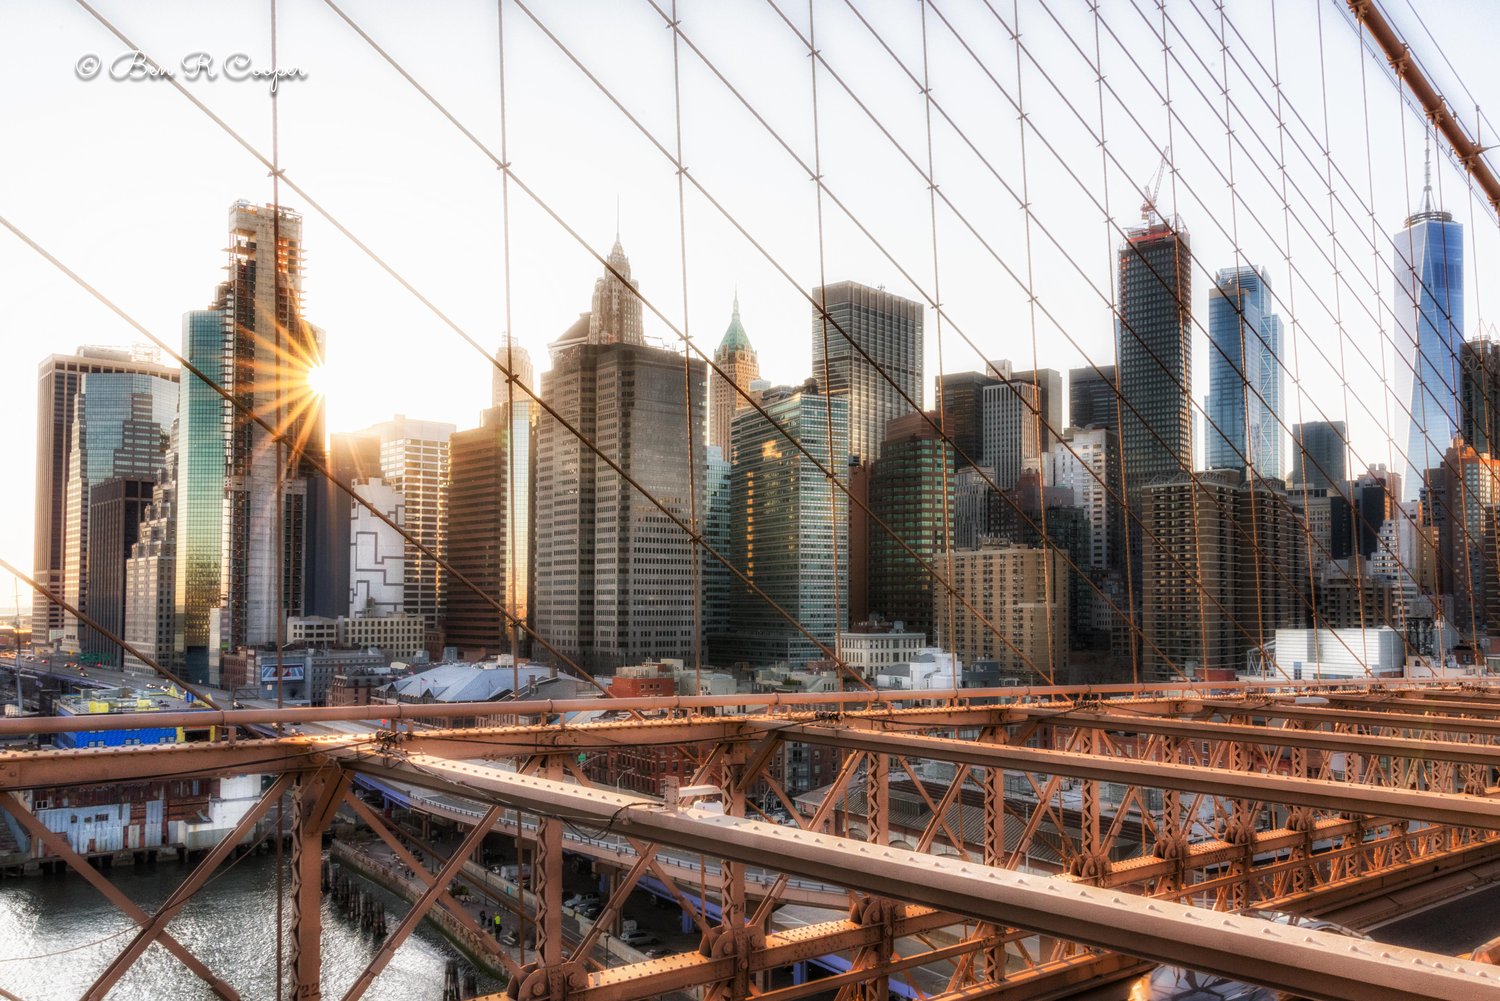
column 57, row 934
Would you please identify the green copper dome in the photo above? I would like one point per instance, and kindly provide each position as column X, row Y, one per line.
column 735, row 338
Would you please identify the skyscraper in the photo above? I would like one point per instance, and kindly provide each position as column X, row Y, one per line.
column 354, row 458
column 911, row 491
column 1080, row 463
column 1428, row 302
column 614, row 575
column 1459, row 495
column 1244, row 375
column 1216, row 564
column 737, row 359
column 1022, row 593
column 514, row 356
column 376, row 560
column 1049, row 414
column 275, row 561
column 1319, row 456
column 718, row 582
column 478, row 537
column 59, row 379
column 121, row 423
column 414, row 461
column 1091, row 398
column 204, row 418
column 1479, row 396
column 960, row 397
column 151, row 571
column 787, row 522
column 520, row 412
column 615, row 317
column 1012, row 430
column 889, row 329
column 115, row 510
column 1154, row 347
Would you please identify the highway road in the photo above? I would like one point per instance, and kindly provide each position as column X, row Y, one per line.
column 1452, row 927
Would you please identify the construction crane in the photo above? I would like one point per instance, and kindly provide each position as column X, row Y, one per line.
column 1148, row 207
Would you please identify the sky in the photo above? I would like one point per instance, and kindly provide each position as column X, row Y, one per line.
column 129, row 184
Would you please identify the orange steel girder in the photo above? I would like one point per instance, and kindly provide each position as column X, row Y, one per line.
column 58, row 846
column 1261, row 775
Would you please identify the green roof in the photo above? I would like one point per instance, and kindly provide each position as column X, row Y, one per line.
column 735, row 338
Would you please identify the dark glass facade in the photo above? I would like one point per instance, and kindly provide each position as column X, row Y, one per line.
column 886, row 327
column 911, row 491
column 788, row 522
column 60, row 381
column 121, row 424
column 1091, row 398
column 1155, row 359
column 1479, row 401
column 961, row 398
column 1319, row 456
column 478, row 539
column 115, row 510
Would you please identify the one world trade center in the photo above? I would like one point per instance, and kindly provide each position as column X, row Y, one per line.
column 1429, row 308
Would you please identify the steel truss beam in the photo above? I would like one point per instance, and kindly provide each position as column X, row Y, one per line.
column 173, row 905
column 1436, row 807
column 437, row 887
column 315, row 801
column 50, row 769
column 1313, row 964
column 1319, row 740
column 373, row 821
column 57, row 845
column 882, row 701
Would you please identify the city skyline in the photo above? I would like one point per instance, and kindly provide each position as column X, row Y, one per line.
column 372, row 315
column 746, row 499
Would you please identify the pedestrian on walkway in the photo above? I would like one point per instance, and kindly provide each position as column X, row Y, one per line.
column 497, row 926
column 483, row 918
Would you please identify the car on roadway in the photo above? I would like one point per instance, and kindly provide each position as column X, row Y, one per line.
column 590, row 911
column 639, row 938
column 578, row 900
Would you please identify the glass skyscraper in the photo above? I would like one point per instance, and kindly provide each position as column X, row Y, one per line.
column 911, row 491
column 1244, row 375
column 204, row 419
column 787, row 525
column 1429, row 306
column 59, row 384
column 275, row 567
column 1319, row 457
column 889, row 329
column 121, row 422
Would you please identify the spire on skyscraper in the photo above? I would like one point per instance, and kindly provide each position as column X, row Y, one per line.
column 735, row 338
column 616, row 314
column 1427, row 178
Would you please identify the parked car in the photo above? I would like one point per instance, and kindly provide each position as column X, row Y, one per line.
column 639, row 938
column 577, row 900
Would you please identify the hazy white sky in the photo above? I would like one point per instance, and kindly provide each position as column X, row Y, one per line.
column 130, row 184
